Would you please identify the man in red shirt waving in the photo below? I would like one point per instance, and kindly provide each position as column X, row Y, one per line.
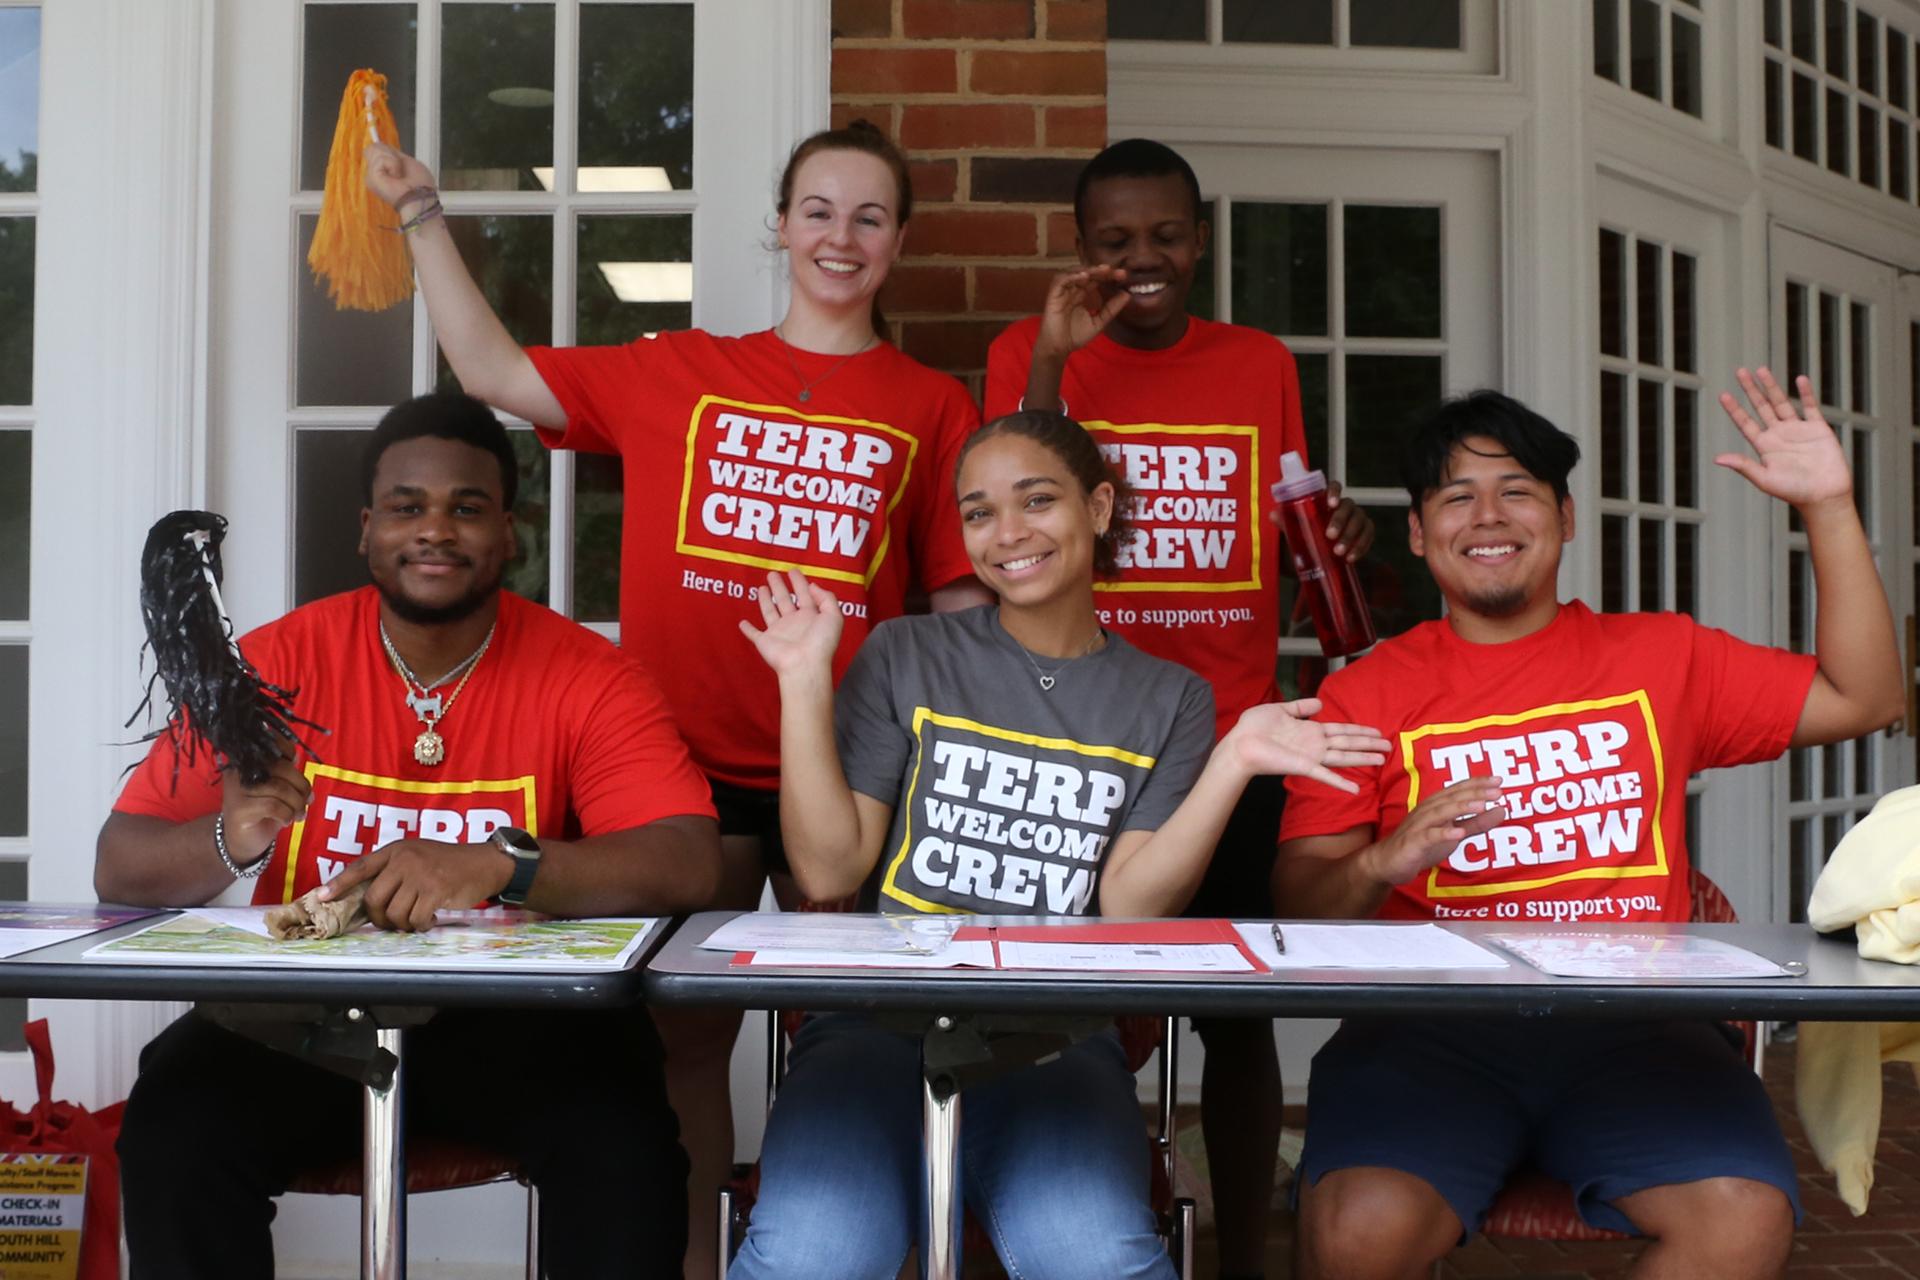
column 481, row 747
column 1542, row 770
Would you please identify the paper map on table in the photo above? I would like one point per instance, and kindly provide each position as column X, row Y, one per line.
column 1609, row 954
column 530, row 945
column 28, row 926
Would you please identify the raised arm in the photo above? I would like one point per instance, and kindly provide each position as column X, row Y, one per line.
column 1798, row 459
column 833, row 833
column 1156, row 873
column 491, row 366
column 146, row 861
column 1346, row 875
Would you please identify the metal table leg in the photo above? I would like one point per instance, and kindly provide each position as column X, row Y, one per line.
column 383, row 1191
column 940, row 1140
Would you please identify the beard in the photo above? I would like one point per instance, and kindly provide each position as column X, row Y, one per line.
column 1497, row 602
column 432, row 615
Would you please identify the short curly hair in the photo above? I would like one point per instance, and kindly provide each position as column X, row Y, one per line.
column 1074, row 445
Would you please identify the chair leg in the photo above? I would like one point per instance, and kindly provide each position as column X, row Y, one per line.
column 723, row 1254
column 533, row 1233
column 1183, row 1232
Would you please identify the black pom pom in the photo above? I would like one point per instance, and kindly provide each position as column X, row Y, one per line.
column 214, row 695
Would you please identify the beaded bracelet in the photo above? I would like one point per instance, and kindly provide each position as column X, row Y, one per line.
column 247, row 872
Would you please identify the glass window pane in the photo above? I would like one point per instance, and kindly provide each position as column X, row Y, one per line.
column 1836, row 11
column 1799, row 785
column 1392, row 271
column 1613, row 435
column 1830, row 390
column 1839, row 139
column 327, row 498
column 1776, row 106
column 1279, row 270
column 1648, row 304
column 16, row 511
column 1613, row 564
column 1157, row 19
column 1652, row 454
column 1796, row 332
column 1867, row 121
column 1913, row 389
column 1200, row 299
column 1772, row 23
column 1863, row 476
column 1686, row 568
column 1686, row 427
column 13, row 740
column 634, row 276
column 1830, row 757
column 1384, row 393
column 1866, row 63
column 1314, row 408
column 1264, row 22
column 1799, row 872
column 636, row 97
column 511, row 258
column 1643, row 47
column 341, row 39
column 20, row 99
column 347, row 357
column 1613, row 293
column 1683, row 313
column 496, row 96
column 1897, row 185
column 1687, row 91
column 1805, row 33
column 16, row 310
column 1606, row 39
column 1859, row 358
column 1400, row 591
column 1806, row 118
column 1897, row 67
column 1404, row 24
column 1652, row 565
column 1799, row 625
column 599, row 489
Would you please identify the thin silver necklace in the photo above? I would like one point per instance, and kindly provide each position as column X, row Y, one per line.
column 1048, row 678
column 807, row 385
column 426, row 701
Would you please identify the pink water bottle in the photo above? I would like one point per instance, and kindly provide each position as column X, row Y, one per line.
column 1332, row 587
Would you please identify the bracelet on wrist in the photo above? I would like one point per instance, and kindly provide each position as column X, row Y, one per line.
column 433, row 210
column 247, row 872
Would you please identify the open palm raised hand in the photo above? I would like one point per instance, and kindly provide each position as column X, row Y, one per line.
column 1798, row 458
column 802, row 625
column 1277, row 737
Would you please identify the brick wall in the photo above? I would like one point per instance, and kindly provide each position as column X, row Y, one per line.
column 997, row 103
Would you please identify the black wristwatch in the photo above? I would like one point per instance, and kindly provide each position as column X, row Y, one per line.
column 525, row 852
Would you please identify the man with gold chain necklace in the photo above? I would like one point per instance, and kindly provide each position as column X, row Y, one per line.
column 483, row 748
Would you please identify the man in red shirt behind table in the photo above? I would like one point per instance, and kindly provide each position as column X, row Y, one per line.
column 481, row 748
column 1542, row 772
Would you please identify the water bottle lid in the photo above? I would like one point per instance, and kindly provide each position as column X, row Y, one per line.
column 1296, row 481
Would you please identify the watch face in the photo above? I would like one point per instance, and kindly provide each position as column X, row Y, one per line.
column 516, row 843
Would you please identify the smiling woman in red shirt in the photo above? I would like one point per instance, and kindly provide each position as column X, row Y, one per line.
column 814, row 446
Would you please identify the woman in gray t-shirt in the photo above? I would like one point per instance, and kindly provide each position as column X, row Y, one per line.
column 1015, row 758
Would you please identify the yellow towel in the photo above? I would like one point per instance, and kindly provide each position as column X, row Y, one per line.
column 1871, row 881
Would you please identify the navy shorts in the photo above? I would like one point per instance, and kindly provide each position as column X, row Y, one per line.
column 1610, row 1108
column 746, row 812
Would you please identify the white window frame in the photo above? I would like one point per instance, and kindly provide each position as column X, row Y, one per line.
column 1478, row 54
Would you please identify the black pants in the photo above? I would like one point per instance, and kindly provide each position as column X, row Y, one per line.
column 217, row 1125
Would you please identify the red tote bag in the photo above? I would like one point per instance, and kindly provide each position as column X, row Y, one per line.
column 62, row 1128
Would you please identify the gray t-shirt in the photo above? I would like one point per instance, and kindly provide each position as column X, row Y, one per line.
column 1006, row 796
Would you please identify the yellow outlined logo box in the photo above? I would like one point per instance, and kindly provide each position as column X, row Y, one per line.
column 683, row 545
column 1252, row 530
column 524, row 784
column 1637, row 698
column 923, row 716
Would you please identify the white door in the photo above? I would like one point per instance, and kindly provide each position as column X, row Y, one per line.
column 1838, row 317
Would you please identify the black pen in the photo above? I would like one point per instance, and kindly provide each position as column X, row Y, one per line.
column 1279, row 940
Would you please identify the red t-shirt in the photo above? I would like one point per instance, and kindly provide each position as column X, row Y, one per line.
column 557, row 733
column 1595, row 722
column 730, row 474
column 1198, row 430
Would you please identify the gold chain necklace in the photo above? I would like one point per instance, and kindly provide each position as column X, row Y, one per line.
column 430, row 748
column 807, row 385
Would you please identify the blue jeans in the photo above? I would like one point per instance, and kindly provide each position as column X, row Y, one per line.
column 1053, row 1163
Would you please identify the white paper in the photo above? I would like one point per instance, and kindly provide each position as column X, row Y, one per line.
column 508, row 944
column 1126, row 957
column 14, row 942
column 977, row 954
column 1636, row 955
column 1367, row 946
column 833, row 931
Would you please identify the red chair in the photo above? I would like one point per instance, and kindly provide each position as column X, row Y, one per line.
column 434, row 1164
column 1534, row 1206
